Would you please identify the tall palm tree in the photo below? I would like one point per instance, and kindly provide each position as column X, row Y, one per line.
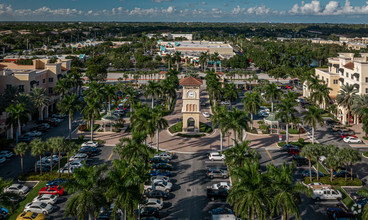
column 272, row 93
column 40, row 99
column 88, row 188
column 17, row 116
column 320, row 95
column 152, row 90
column 346, row 98
column 169, row 60
column 124, row 187
column 63, row 86
column 219, row 118
column 287, row 113
column 215, row 58
column 332, row 161
column 177, row 58
column 237, row 155
column 309, row 152
column 38, row 148
column 230, row 93
column 70, row 148
column 158, row 122
column 95, row 90
column 359, row 104
column 21, row 150
column 53, row 145
column 203, row 60
column 237, row 121
column 92, row 111
column 312, row 117
column 110, row 92
column 354, row 157
column 68, row 105
column 141, row 120
column 252, row 103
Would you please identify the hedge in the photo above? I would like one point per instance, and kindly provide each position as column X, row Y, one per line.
column 205, row 128
column 339, row 181
column 178, row 127
column 253, row 130
column 191, row 135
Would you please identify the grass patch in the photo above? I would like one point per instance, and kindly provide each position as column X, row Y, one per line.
column 95, row 126
column 178, row 127
column 322, row 169
column 46, row 176
column 337, row 181
column 205, row 128
column 191, row 135
column 365, row 138
column 30, row 196
column 365, row 154
column 346, row 198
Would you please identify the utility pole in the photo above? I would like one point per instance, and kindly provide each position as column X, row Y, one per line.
column 27, row 43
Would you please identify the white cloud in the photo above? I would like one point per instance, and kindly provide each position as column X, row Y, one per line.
column 331, row 8
column 306, row 8
column 261, row 10
column 203, row 3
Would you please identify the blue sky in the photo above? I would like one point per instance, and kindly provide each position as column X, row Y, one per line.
column 331, row 11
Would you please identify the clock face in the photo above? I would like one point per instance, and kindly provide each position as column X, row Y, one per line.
column 191, row 94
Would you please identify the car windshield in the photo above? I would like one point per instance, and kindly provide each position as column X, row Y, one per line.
column 19, row 186
column 43, row 205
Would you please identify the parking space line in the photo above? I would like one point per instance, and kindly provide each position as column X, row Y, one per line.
column 269, row 154
column 112, row 152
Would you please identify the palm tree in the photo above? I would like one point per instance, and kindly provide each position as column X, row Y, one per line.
column 219, row 118
column 88, row 188
column 124, row 187
column 38, row 148
column 141, row 120
column 332, row 161
column 17, row 116
column 68, row 105
column 360, row 103
column 152, row 90
column 21, row 150
column 320, row 95
column 272, row 93
column 287, row 113
column 70, row 148
column 354, row 157
column 346, row 98
column 237, row 121
column 203, row 60
column 95, row 90
column 110, row 92
column 63, row 86
column 237, row 155
column 312, row 117
column 91, row 111
column 230, row 93
column 40, row 99
column 177, row 58
column 159, row 123
column 53, row 145
column 215, row 58
column 252, row 103
column 309, row 152
column 169, row 60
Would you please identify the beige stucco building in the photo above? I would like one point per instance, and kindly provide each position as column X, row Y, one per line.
column 191, row 103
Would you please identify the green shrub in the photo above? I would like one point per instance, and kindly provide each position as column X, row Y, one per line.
column 261, row 122
column 99, row 130
column 301, row 140
column 191, row 135
column 365, row 138
column 365, row 154
column 178, row 127
column 205, row 128
column 253, row 130
column 263, row 127
column 282, row 143
column 293, row 131
column 283, row 132
column 338, row 181
column 100, row 141
column 80, row 138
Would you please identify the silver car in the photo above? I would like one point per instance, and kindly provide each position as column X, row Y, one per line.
column 17, row 188
column 164, row 155
column 46, row 198
column 38, row 207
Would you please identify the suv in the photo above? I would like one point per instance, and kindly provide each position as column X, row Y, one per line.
column 326, row 193
column 338, row 127
column 216, row 156
column 218, row 173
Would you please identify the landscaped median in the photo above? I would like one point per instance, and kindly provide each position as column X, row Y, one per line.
column 30, row 196
column 178, row 127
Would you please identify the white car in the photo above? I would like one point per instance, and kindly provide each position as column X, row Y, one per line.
column 159, row 178
column 75, row 164
column 7, row 154
column 225, row 103
column 17, row 188
column 353, row 140
column 2, row 160
column 206, row 114
column 326, row 193
column 154, row 203
column 33, row 133
column 220, row 185
column 90, row 144
column 55, row 158
column 46, row 198
column 65, row 170
column 78, row 156
column 216, row 156
column 38, row 207
column 164, row 155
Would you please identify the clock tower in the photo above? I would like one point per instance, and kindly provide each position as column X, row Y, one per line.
column 191, row 104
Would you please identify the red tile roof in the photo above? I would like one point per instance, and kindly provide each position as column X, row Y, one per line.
column 349, row 65
column 162, row 72
column 191, row 81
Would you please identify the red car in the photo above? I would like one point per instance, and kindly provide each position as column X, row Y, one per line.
column 293, row 151
column 347, row 135
column 54, row 190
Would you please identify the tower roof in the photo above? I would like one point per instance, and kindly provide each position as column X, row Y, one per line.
column 191, row 81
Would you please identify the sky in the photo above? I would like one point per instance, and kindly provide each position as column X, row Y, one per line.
column 284, row 11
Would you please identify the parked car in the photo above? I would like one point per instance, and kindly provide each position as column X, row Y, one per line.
column 222, row 213
column 58, row 115
column 34, row 133
column 46, row 198
column 206, row 114
column 216, row 156
column 157, row 194
column 217, row 173
column 220, row 185
column 362, row 202
column 305, row 173
column 56, row 182
column 154, row 203
column 160, row 172
column 286, row 147
column 339, row 213
column 74, row 164
column 6, row 154
column 25, row 139
column 160, row 177
column 159, row 160
column 78, row 156
column 341, row 173
column 90, row 144
column 38, row 207
column 159, row 185
column 18, row 189
column 65, row 170
column 300, row 161
column 326, row 193
column 293, row 151
column 165, row 166
column 164, row 155
column 148, row 212
column 53, row 190
column 352, row 140
column 3, row 212
column 90, row 151
column 31, row 216
column 2, row 160
column 221, row 194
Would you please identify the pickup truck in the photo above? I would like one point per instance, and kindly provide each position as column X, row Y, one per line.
column 158, row 185
column 326, row 193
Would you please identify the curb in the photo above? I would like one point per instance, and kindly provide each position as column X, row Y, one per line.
column 364, row 156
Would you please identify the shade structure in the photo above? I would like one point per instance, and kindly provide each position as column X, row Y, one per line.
column 271, row 120
column 109, row 119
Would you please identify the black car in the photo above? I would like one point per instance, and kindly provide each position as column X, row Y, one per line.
column 42, row 128
column 221, row 194
column 148, row 212
column 165, row 166
column 157, row 194
column 25, row 139
column 158, row 160
column 90, row 151
column 300, row 161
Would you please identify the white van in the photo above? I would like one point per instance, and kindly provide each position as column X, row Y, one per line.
column 326, row 193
